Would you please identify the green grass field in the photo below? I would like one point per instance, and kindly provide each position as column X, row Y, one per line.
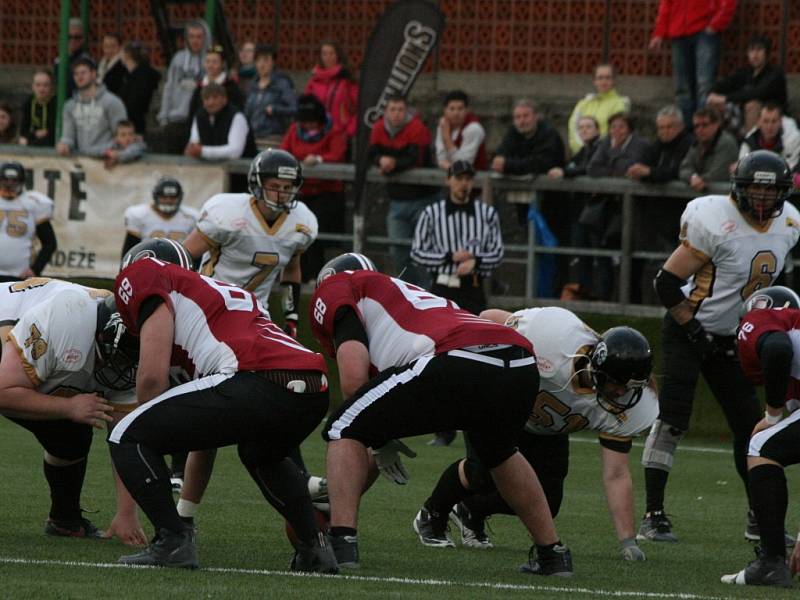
column 244, row 552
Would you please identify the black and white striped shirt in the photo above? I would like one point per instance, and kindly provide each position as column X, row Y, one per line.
column 444, row 228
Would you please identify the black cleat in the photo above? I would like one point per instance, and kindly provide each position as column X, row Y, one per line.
column 167, row 549
column 656, row 527
column 432, row 529
column 764, row 570
column 554, row 561
column 473, row 531
column 77, row 528
column 345, row 549
column 316, row 557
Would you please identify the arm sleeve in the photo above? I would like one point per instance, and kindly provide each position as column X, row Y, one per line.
column 237, row 137
column 68, row 127
column 407, row 157
column 724, row 15
column 775, row 352
column 471, row 139
column 47, row 238
column 575, row 143
column 212, row 222
column 347, row 326
column 336, row 149
column 166, row 94
column 132, row 152
column 731, row 83
column 441, row 150
column 424, row 249
column 25, row 120
column 194, row 136
column 694, row 234
column 286, row 104
column 771, row 85
column 686, row 169
column 491, row 250
column 327, row 301
column 598, row 165
column 116, row 111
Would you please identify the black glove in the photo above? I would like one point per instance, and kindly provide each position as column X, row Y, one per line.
column 701, row 340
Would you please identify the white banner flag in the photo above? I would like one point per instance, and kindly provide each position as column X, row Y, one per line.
column 90, row 202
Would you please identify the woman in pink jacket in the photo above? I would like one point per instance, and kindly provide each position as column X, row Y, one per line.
column 333, row 84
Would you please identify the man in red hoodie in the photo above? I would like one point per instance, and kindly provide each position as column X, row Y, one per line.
column 693, row 27
column 400, row 141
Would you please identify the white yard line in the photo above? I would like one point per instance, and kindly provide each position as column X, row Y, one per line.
column 397, row 580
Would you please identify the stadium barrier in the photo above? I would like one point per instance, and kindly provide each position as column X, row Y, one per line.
column 90, row 202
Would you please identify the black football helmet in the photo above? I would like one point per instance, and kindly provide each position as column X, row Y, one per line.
column 766, row 169
column 776, row 297
column 167, row 187
column 117, row 351
column 12, row 179
column 623, row 357
column 350, row 261
column 161, row 248
column 275, row 164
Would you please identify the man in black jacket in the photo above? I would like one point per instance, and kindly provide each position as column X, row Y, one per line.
column 219, row 130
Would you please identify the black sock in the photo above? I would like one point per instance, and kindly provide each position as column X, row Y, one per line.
column 655, row 481
column 144, row 472
column 297, row 458
column 447, row 493
column 340, row 531
column 770, row 499
column 481, row 506
column 65, row 489
column 286, row 490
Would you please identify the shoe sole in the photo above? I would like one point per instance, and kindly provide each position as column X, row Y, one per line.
column 448, row 544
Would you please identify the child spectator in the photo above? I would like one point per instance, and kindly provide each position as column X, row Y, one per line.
column 38, row 125
column 126, row 146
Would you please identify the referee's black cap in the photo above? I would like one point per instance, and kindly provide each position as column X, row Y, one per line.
column 461, row 167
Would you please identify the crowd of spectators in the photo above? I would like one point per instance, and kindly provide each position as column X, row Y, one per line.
column 210, row 109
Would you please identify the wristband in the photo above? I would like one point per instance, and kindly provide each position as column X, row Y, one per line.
column 772, row 419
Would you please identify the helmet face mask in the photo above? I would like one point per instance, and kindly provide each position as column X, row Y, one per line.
column 12, row 180
column 350, row 261
column 117, row 352
column 167, row 195
column 268, row 176
column 160, row 248
column 762, row 183
column 620, row 367
column 776, row 297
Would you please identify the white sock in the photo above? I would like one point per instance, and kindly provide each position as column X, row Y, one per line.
column 187, row 508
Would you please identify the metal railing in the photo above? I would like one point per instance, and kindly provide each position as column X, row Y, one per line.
column 524, row 254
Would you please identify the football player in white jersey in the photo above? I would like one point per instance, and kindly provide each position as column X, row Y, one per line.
column 253, row 240
column 23, row 216
column 61, row 350
column 164, row 217
column 588, row 382
column 730, row 246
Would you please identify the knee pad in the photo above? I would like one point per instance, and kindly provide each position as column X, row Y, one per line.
column 659, row 449
column 478, row 477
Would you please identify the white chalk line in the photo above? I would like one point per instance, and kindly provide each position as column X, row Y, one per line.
column 375, row 579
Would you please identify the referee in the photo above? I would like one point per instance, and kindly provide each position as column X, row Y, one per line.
column 458, row 240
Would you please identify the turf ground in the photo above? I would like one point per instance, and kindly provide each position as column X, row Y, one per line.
column 244, row 553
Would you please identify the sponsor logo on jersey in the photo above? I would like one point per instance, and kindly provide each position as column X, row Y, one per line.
column 729, row 227
column 239, row 224
column 72, row 355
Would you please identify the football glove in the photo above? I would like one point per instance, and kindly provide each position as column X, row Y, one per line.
column 630, row 550
column 387, row 458
column 701, row 340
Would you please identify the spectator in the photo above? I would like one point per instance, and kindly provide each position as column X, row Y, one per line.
column 219, row 130
column 619, row 150
column 693, row 28
column 332, row 82
column 313, row 140
column 126, row 146
column 769, row 134
column 460, row 136
column 400, row 141
column 140, row 84
column 110, row 70
column 673, row 141
column 751, row 86
column 458, row 240
column 712, row 154
column 38, row 125
column 605, row 102
column 185, row 70
column 76, row 46
column 530, row 147
column 589, row 133
column 271, row 101
column 91, row 115
column 8, row 127
column 216, row 73
column 246, row 68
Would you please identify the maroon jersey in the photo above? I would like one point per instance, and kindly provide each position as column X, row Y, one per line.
column 403, row 322
column 755, row 324
column 219, row 328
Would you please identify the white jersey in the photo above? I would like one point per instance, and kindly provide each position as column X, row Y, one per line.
column 742, row 257
column 17, row 297
column 562, row 405
column 19, row 218
column 245, row 249
column 145, row 222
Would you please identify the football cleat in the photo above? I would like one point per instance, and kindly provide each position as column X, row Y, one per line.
column 318, row 490
column 753, row 534
column 555, row 561
column 177, row 484
column 316, row 557
column 656, row 527
column 473, row 531
column 771, row 571
column 167, row 549
column 345, row 549
column 432, row 530
column 78, row 528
